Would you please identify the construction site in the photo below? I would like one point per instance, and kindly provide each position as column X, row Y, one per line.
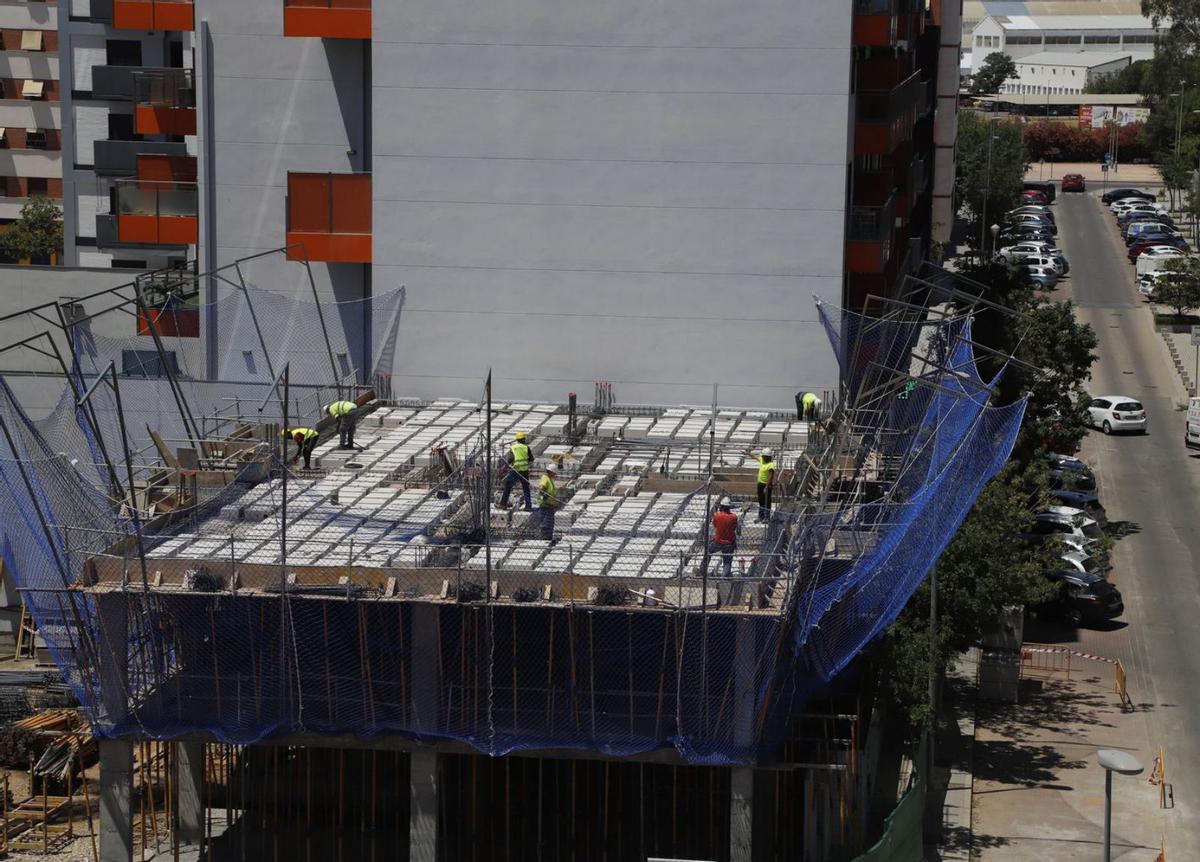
column 370, row 658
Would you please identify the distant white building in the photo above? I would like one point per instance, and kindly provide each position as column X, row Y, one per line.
column 1020, row 36
column 1058, row 73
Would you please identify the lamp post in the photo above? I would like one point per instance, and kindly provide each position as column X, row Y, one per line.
column 987, row 189
column 1114, row 761
column 1179, row 120
column 995, row 229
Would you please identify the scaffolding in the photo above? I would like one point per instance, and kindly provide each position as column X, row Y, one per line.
column 207, row 587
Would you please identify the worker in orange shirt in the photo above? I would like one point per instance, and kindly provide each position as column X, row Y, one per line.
column 724, row 535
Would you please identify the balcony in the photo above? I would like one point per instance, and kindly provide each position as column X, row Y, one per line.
column 150, row 212
column 164, row 102
column 884, row 119
column 113, row 82
column 153, row 15
column 874, row 23
column 119, row 158
column 327, row 19
column 329, row 217
column 868, row 238
column 166, row 168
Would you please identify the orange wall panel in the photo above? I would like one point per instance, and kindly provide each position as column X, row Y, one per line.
column 133, row 14
column 151, row 120
column 178, row 230
column 864, row 256
column 339, row 247
column 327, row 23
column 137, row 228
column 872, row 30
column 174, row 16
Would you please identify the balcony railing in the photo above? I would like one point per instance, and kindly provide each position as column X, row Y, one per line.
column 156, row 213
column 328, row 19
column 153, row 15
column 869, row 236
column 119, row 158
column 885, row 118
column 874, row 22
column 329, row 217
column 165, row 102
column 113, row 82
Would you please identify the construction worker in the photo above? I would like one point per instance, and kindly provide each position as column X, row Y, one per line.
column 766, row 483
column 306, row 441
column 346, row 414
column 724, row 535
column 518, row 470
column 812, row 407
column 547, row 501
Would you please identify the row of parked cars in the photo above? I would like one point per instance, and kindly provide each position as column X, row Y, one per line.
column 1075, row 525
column 1151, row 237
column 1027, row 242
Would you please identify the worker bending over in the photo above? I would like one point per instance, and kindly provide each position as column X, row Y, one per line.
column 766, row 483
column 518, row 470
column 306, row 441
column 812, row 407
column 724, row 535
column 547, row 501
column 346, row 414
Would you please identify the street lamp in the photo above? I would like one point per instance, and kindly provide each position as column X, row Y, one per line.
column 1114, row 761
column 987, row 186
column 995, row 229
column 1179, row 120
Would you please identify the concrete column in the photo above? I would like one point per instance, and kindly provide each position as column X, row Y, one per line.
column 426, row 688
column 189, row 796
column 116, row 788
column 113, row 647
column 751, row 808
column 423, row 806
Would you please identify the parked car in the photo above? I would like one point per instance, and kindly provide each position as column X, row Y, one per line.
column 1145, row 243
column 1034, row 221
column 1059, row 461
column 1083, row 598
column 1078, row 561
column 1117, row 194
column 1024, row 233
column 1072, row 480
column 1047, row 190
column 1035, row 248
column 1191, row 428
column 1073, row 183
column 1112, row 413
column 1147, row 283
column 1043, row 277
column 1086, row 501
column 1140, row 214
column 1134, row 229
column 1064, row 521
column 1030, row 196
column 1036, row 209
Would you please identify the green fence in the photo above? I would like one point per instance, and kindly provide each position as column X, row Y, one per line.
column 902, row 830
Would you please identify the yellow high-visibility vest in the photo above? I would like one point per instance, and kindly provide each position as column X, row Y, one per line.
column 765, row 469
column 520, row 453
column 307, row 433
column 341, row 408
column 546, row 491
column 809, row 400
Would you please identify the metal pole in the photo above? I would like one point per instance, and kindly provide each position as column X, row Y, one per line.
column 487, row 486
column 185, row 413
column 1196, row 371
column 254, row 319
column 1179, row 120
column 1108, row 815
column 337, row 378
column 133, row 505
column 987, row 190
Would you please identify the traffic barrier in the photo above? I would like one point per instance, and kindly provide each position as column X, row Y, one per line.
column 1120, row 684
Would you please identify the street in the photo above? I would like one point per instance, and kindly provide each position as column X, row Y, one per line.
column 1150, row 486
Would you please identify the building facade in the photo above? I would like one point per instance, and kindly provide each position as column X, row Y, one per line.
column 30, row 119
column 1056, row 73
column 559, row 194
column 1020, row 36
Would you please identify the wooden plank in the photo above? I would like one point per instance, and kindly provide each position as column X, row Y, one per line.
column 163, row 452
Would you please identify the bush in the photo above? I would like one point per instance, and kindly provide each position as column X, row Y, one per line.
column 1069, row 142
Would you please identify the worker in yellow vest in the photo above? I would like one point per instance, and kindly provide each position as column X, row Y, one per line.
column 766, row 483
column 547, row 501
column 517, row 460
column 812, row 407
column 306, row 442
column 346, row 414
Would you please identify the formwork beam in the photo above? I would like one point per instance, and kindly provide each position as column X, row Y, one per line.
column 116, row 791
column 751, row 809
column 189, row 791
column 423, row 805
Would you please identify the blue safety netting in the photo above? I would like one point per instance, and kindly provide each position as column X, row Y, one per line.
column 499, row 673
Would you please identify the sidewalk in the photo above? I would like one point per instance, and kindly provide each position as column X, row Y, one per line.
column 1038, row 790
column 1124, row 174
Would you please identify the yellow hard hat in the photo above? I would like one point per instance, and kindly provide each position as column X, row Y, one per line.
column 520, row 435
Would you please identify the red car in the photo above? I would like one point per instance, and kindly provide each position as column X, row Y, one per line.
column 1073, row 183
column 1030, row 196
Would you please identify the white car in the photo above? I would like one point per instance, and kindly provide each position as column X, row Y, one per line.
column 1147, row 283
column 1191, row 430
column 1040, row 260
column 1136, row 203
column 1083, row 563
column 1112, row 413
column 1162, row 251
column 1029, row 248
column 1066, row 521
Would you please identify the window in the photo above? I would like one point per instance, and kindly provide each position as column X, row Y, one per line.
column 1140, row 40
column 31, row 40
column 978, row 41
column 120, row 127
column 1063, row 40
column 35, row 139
column 147, row 363
column 123, row 52
column 1101, row 40
column 33, row 89
column 38, row 186
column 1100, row 403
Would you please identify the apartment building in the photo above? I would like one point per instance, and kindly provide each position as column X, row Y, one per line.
column 30, row 93
column 547, row 182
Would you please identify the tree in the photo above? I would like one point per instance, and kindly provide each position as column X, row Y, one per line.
column 997, row 68
column 1179, row 286
column 1131, row 79
column 1003, row 182
column 37, row 232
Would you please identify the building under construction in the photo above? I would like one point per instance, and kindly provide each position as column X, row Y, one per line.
column 370, row 659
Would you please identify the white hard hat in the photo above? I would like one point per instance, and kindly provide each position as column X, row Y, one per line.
column 726, row 503
column 551, row 467
column 768, row 452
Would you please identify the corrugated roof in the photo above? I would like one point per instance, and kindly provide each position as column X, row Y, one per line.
column 1080, row 59
column 1074, row 22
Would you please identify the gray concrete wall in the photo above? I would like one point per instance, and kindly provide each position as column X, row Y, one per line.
column 650, row 195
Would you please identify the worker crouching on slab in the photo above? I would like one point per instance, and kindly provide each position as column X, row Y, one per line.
column 306, row 442
column 547, row 501
column 517, row 461
column 346, row 414
column 724, row 536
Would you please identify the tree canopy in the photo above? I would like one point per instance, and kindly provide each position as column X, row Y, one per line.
column 996, row 69
column 1003, row 182
column 37, row 232
column 1131, row 79
column 1179, row 285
